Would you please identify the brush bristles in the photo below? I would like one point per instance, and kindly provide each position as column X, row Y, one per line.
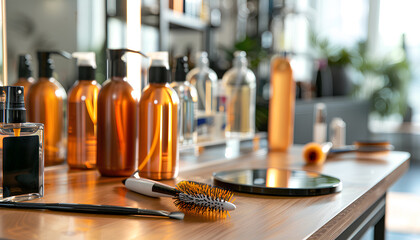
column 202, row 198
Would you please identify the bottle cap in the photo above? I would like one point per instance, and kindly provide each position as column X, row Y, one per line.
column 12, row 104
column 240, row 59
column 181, row 69
column 86, row 64
column 46, row 64
column 159, row 70
column 116, row 63
column 202, row 59
column 25, row 68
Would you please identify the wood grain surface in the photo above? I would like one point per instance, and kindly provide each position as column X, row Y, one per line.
column 365, row 179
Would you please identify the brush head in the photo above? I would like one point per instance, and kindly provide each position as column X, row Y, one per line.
column 203, row 199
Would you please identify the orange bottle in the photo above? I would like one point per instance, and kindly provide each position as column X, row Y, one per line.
column 281, row 105
column 46, row 101
column 158, row 145
column 25, row 78
column 117, row 131
column 82, row 112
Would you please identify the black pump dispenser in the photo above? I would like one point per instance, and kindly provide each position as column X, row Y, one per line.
column 181, row 69
column 159, row 69
column 46, row 64
column 12, row 105
column 118, row 66
column 25, row 68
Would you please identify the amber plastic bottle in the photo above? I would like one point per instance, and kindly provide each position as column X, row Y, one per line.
column 117, row 147
column 158, row 145
column 82, row 112
column 25, row 78
column 281, row 105
column 46, row 101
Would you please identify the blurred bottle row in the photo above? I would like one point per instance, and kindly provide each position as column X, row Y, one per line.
column 109, row 128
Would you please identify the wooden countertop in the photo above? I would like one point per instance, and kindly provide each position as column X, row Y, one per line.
column 365, row 180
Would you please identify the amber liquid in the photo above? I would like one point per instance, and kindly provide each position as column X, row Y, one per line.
column 281, row 105
column 82, row 112
column 46, row 105
column 26, row 83
column 117, row 129
column 158, row 145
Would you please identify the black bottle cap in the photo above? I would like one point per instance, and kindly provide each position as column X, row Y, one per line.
column 46, row 64
column 12, row 104
column 181, row 69
column 117, row 66
column 86, row 73
column 159, row 70
column 25, row 68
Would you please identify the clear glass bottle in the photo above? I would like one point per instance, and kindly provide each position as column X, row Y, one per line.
column 25, row 78
column 117, row 123
column 21, row 146
column 82, row 114
column 158, row 145
column 187, row 94
column 204, row 79
column 240, row 87
column 47, row 101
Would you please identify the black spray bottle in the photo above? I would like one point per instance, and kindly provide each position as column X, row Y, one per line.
column 21, row 143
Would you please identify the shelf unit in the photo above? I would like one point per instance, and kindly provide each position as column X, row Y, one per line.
column 166, row 20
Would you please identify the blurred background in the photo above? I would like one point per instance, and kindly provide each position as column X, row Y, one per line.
column 358, row 57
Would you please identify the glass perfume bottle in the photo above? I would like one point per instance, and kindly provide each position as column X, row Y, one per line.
column 240, row 87
column 82, row 114
column 204, row 79
column 21, row 146
column 25, row 78
column 117, row 126
column 47, row 101
column 158, row 145
column 281, row 105
column 187, row 94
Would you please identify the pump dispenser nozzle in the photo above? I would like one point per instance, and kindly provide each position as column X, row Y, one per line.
column 181, row 69
column 46, row 64
column 117, row 65
column 12, row 105
column 159, row 70
column 25, row 69
column 86, row 64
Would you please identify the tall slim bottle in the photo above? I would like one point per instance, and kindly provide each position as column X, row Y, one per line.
column 240, row 86
column 46, row 101
column 204, row 79
column 281, row 105
column 158, row 156
column 82, row 112
column 117, row 139
column 187, row 94
column 25, row 78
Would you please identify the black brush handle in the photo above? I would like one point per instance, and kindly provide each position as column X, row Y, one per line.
column 86, row 208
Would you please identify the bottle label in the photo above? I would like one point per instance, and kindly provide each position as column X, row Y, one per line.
column 20, row 165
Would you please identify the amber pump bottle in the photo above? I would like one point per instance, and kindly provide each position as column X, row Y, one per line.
column 158, row 145
column 25, row 78
column 46, row 101
column 82, row 114
column 281, row 105
column 117, row 133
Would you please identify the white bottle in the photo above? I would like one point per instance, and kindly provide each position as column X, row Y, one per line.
column 320, row 124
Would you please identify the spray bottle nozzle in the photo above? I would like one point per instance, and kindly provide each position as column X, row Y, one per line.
column 117, row 64
column 12, row 104
column 46, row 64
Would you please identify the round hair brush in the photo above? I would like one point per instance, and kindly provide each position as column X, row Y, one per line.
column 189, row 196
